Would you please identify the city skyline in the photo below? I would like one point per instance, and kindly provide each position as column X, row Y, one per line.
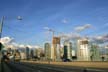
column 72, row 17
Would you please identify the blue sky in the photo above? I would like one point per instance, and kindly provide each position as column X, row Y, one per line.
column 59, row 15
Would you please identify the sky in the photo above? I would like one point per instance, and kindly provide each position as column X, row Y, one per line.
column 85, row 17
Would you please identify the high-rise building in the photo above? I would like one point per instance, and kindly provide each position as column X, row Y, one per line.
column 94, row 53
column 61, row 51
column 65, row 52
column 83, row 52
column 55, row 50
column 73, row 53
column 27, row 53
column 9, row 50
column 31, row 54
column 38, row 52
column 17, row 56
column 106, row 52
column 68, row 50
column 23, row 56
column 47, row 50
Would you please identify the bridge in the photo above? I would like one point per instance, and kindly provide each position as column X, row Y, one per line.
column 38, row 66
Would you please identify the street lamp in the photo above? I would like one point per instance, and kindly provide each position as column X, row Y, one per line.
column 1, row 26
column 2, row 22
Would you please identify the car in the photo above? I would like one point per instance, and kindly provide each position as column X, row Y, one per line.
column 66, row 60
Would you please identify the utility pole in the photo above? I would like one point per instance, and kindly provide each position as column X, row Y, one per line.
column 52, row 32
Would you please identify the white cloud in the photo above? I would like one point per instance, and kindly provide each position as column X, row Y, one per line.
column 70, row 36
column 29, row 46
column 101, row 38
column 21, row 46
column 10, row 43
column 81, row 28
column 36, row 46
column 6, row 40
column 105, row 37
column 46, row 28
column 65, row 21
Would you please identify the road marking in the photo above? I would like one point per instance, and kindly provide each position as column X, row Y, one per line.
column 39, row 71
column 57, row 69
column 96, row 70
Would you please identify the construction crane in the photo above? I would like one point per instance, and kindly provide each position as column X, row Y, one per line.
column 63, row 37
column 50, row 30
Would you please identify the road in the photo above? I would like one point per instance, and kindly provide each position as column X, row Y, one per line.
column 36, row 67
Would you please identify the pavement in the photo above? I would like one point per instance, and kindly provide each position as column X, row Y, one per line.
column 95, row 64
column 31, row 66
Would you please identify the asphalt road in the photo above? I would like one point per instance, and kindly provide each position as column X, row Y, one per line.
column 35, row 67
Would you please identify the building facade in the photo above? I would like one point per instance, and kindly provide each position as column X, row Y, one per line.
column 27, row 53
column 83, row 52
column 68, row 50
column 94, row 53
column 47, row 49
column 55, row 50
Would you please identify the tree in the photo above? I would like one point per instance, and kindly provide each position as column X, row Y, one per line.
column 1, row 46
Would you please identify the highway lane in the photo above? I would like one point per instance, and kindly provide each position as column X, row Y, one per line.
column 18, row 67
column 29, row 68
column 4, row 67
column 35, row 67
column 55, row 68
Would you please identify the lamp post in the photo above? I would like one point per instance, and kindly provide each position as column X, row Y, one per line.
column 2, row 22
column 1, row 26
column 1, row 29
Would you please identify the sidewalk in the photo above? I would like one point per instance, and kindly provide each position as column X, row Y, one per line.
column 78, row 64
